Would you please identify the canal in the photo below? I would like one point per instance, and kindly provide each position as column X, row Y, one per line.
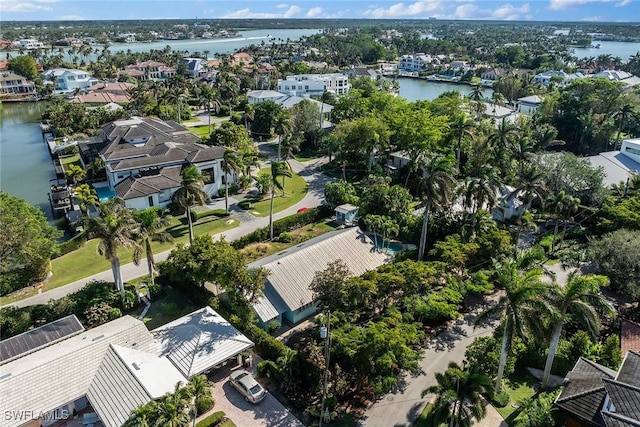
column 425, row 90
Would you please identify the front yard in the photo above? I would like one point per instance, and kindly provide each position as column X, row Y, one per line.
column 295, row 190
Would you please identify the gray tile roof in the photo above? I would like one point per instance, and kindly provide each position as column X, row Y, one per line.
column 127, row 379
column 293, row 269
column 47, row 379
column 625, row 397
column 38, row 338
column 629, row 371
column 146, row 185
column 200, row 340
column 617, row 167
column 612, row 419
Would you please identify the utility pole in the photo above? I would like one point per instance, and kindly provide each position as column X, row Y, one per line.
column 325, row 333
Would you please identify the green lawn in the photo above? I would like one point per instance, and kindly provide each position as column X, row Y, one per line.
column 202, row 131
column 519, row 385
column 67, row 161
column 166, row 309
column 295, row 190
column 424, row 420
column 85, row 261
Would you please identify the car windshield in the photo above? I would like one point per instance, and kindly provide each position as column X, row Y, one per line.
column 256, row 389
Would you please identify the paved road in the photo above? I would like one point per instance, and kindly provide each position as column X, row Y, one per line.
column 314, row 197
column 402, row 407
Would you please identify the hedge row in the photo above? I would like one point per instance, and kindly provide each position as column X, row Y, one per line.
column 76, row 242
column 220, row 213
column 283, row 225
column 212, row 420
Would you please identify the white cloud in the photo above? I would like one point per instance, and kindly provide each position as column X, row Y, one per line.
column 592, row 18
column 71, row 18
column 248, row 14
column 505, row 12
column 314, row 12
column 6, row 7
column 567, row 4
column 510, row 12
column 467, row 11
column 623, row 3
column 419, row 8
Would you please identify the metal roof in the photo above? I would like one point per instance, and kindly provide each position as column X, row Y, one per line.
column 617, row 167
column 38, row 338
column 127, row 379
column 61, row 373
column 200, row 340
column 293, row 269
column 346, row 208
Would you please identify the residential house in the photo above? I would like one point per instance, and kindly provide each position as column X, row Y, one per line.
column 110, row 370
column 528, row 104
column 149, row 70
column 356, row 72
column 105, row 93
column 241, row 59
column 66, row 80
column 144, row 158
column 12, row 85
column 29, row 44
column 619, row 76
column 498, row 112
column 416, row 62
column 619, row 166
column 594, row 395
column 492, row 74
column 288, row 101
column 287, row 296
column 560, row 78
column 196, row 67
column 314, row 84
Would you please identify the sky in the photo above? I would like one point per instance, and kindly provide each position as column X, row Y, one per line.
column 531, row 10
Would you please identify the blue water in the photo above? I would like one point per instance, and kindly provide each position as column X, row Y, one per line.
column 390, row 248
column 104, row 194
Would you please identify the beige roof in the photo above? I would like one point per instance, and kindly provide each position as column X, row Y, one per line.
column 292, row 270
column 56, row 375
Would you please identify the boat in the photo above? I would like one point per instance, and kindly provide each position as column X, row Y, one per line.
column 60, row 196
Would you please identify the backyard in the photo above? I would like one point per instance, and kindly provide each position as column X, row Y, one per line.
column 166, row 309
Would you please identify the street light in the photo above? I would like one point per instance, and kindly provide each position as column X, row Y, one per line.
column 325, row 334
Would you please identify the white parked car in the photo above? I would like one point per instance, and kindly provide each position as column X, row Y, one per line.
column 244, row 382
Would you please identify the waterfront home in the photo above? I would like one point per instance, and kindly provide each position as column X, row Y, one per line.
column 287, row 296
column 29, row 44
column 314, row 84
column 196, row 67
column 416, row 62
column 67, row 80
column 103, row 374
column 14, row 86
column 287, row 101
column 560, row 78
column 528, row 104
column 105, row 93
column 596, row 396
column 498, row 112
column 492, row 73
column 619, row 76
column 370, row 73
column 149, row 70
column 144, row 158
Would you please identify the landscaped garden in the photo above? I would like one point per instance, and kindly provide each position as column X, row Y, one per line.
column 295, row 188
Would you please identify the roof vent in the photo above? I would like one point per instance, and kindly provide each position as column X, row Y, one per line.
column 135, row 366
column 5, row 376
column 98, row 337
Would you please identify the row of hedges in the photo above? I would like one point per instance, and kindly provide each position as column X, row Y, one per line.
column 212, row 420
column 76, row 242
column 283, row 225
column 220, row 213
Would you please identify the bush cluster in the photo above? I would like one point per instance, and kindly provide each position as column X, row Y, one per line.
column 233, row 189
column 75, row 243
column 220, row 213
column 212, row 420
column 284, row 225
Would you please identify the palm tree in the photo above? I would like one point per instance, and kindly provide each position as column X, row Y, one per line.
column 231, row 165
column 459, row 396
column 86, row 196
column 578, row 301
column 562, row 206
column 144, row 416
column 152, row 228
column 485, row 187
column 76, row 173
column 281, row 126
column 477, row 93
column 190, row 192
column 116, row 228
column 172, row 408
column 278, row 169
column 249, row 115
column 518, row 307
column 176, row 94
column 436, row 184
column 622, row 117
column 461, row 127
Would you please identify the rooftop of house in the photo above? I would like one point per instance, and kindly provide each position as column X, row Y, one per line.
column 617, row 167
column 149, row 182
column 293, row 269
column 531, row 99
column 9, row 75
column 630, row 336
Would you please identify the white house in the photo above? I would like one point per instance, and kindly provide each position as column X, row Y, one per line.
column 559, row 77
column 619, row 76
column 619, row 166
column 144, row 158
column 287, row 101
column 314, row 84
column 29, row 44
column 416, row 62
column 195, row 66
column 529, row 104
column 68, row 80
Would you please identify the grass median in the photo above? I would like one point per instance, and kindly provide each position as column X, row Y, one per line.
column 295, row 190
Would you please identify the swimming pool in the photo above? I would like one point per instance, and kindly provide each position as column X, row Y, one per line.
column 104, row 194
column 391, row 248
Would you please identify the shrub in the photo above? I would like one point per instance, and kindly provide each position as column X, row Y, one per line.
column 97, row 314
column 285, row 237
column 501, row 399
column 233, row 189
column 245, row 204
column 204, row 404
column 269, row 369
column 223, row 111
column 212, row 420
column 228, row 423
column 266, row 345
column 70, row 245
column 195, row 216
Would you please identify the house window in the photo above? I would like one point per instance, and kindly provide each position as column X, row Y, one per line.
column 208, row 175
column 150, row 200
column 632, row 150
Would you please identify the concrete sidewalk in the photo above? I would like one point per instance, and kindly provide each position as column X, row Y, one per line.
column 314, row 197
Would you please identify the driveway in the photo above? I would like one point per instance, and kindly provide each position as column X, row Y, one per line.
column 268, row 413
column 402, row 407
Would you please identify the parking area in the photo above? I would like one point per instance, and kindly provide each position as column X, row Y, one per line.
column 268, row 413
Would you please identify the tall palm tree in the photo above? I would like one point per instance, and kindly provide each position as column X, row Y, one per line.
column 562, row 206
column 477, row 93
column 578, row 301
column 459, row 396
column 143, row 416
column 281, row 126
column 76, row 173
column 461, row 127
column 518, row 307
column 152, row 228
column 278, row 169
column 86, row 196
column 116, row 228
column 172, row 409
column 249, row 115
column 231, row 165
column 436, row 185
column 190, row 192
column 484, row 188
column 622, row 117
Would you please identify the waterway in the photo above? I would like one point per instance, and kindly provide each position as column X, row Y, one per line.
column 25, row 163
column 622, row 49
column 425, row 90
